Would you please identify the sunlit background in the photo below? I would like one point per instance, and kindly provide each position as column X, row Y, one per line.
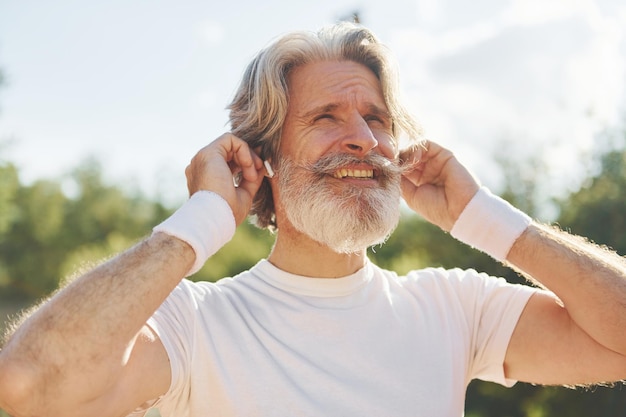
column 526, row 92
column 142, row 85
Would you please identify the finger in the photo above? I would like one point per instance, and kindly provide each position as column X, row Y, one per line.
column 412, row 155
column 433, row 165
column 214, row 167
column 254, row 169
column 251, row 187
column 243, row 158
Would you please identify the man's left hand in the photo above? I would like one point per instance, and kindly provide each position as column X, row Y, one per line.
column 438, row 187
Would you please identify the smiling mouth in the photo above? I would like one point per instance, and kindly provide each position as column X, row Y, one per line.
column 354, row 173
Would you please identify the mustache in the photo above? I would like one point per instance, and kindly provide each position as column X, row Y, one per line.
column 329, row 164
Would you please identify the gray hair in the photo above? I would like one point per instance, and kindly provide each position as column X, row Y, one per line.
column 258, row 110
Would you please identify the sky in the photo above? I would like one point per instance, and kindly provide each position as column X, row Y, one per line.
column 142, row 85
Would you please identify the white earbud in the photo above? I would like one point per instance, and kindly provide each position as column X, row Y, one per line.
column 268, row 168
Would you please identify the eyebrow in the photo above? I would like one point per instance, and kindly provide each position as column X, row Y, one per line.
column 374, row 109
column 325, row 108
column 330, row 107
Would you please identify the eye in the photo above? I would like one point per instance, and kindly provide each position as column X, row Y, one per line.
column 323, row 116
column 377, row 120
column 374, row 119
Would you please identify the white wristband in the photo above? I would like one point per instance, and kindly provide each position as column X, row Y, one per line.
column 490, row 224
column 206, row 222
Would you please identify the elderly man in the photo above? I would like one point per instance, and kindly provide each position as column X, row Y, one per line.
column 317, row 329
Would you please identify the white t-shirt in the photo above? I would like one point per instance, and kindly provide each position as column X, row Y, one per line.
column 269, row 343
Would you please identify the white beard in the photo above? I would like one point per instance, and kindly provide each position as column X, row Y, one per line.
column 344, row 217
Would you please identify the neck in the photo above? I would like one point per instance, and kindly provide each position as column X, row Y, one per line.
column 298, row 254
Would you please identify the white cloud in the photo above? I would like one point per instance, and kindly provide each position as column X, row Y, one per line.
column 549, row 73
column 532, row 12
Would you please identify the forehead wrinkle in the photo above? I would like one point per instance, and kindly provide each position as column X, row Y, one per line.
column 327, row 88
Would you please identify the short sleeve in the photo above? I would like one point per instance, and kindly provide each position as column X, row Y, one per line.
column 496, row 307
column 173, row 323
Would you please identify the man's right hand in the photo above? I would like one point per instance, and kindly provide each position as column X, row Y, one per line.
column 214, row 167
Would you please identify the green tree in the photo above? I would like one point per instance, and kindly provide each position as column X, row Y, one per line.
column 45, row 235
column 31, row 248
column 9, row 185
column 598, row 209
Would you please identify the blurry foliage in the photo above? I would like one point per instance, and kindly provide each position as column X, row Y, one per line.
column 525, row 400
column 43, row 232
column 598, row 209
column 9, row 185
column 522, row 178
column 47, row 236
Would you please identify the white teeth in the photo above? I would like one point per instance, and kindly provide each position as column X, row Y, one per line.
column 354, row 173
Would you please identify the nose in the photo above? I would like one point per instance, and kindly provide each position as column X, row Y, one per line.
column 358, row 138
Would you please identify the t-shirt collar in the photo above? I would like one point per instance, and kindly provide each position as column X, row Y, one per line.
column 310, row 286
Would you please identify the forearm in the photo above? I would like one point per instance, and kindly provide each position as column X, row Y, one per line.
column 588, row 279
column 82, row 336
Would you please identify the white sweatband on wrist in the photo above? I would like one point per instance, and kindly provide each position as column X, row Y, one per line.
column 490, row 224
column 206, row 222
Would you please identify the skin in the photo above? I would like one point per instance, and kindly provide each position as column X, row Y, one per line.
column 57, row 363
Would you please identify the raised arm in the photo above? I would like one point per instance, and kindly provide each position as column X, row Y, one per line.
column 574, row 335
column 579, row 337
column 87, row 350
